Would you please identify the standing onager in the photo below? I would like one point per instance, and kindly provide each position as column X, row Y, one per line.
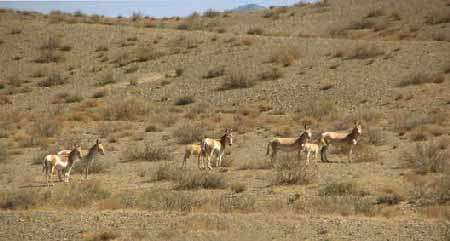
column 288, row 144
column 90, row 157
column 192, row 149
column 311, row 148
column 348, row 138
column 211, row 147
column 52, row 162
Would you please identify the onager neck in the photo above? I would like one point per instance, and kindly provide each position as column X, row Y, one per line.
column 223, row 141
column 92, row 152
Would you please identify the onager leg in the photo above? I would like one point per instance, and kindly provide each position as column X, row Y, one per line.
column 350, row 152
column 186, row 156
column 307, row 157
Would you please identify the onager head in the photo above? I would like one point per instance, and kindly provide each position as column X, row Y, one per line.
column 228, row 136
column 101, row 150
column 356, row 132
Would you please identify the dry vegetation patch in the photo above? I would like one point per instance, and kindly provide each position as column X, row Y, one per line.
column 53, row 79
column 189, row 133
column 421, row 78
column 147, row 152
column 237, row 79
column 428, row 157
column 129, row 109
column 285, row 56
column 288, row 170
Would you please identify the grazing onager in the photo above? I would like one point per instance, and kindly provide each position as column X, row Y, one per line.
column 211, row 147
column 90, row 157
column 348, row 138
column 52, row 162
column 311, row 148
column 288, row 144
column 192, row 149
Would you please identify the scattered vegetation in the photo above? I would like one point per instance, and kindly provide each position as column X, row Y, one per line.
column 273, row 74
column 364, row 52
column 237, row 79
column 215, row 72
column 131, row 108
column 197, row 179
column 53, row 79
column 238, row 187
column 186, row 100
column 189, row 133
column 242, row 203
column 421, row 78
column 289, row 170
column 428, row 157
column 107, row 78
column 285, row 56
column 255, row 31
column 147, row 152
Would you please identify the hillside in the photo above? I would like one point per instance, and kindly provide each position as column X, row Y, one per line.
column 146, row 87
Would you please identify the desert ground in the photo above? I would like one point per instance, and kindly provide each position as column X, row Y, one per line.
column 147, row 87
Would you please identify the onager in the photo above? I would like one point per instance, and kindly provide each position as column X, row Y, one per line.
column 52, row 162
column 211, row 147
column 348, row 138
column 91, row 155
column 288, row 144
column 311, row 148
column 192, row 149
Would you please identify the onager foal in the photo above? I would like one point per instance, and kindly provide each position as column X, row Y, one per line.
column 288, row 144
column 192, row 149
column 348, row 138
column 90, row 157
column 211, row 147
column 311, row 148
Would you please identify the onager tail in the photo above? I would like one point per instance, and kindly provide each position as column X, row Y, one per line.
column 268, row 148
column 44, row 164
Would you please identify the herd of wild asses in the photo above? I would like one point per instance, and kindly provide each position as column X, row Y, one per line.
column 210, row 148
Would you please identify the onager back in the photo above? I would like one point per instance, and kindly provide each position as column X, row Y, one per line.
column 348, row 138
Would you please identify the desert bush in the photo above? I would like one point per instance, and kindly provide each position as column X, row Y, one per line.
column 242, row 203
column 364, row 52
column 428, row 194
column 285, row 56
column 389, row 199
column 319, row 110
column 273, row 74
column 420, row 79
column 340, row 189
column 255, row 31
column 51, row 43
column 5, row 100
column 185, row 100
column 66, row 98
column 405, row 122
column 152, row 128
column 210, row 13
column 169, row 200
column 15, row 31
column 288, row 170
column 342, row 204
column 53, row 79
column 254, row 165
column 46, row 126
column 146, row 152
column 48, row 56
column 82, row 194
column 106, row 78
column 248, row 40
column 103, row 236
column 438, row 18
column 19, row 199
column 189, row 133
column 166, row 172
column 427, row 157
column 215, row 72
column 99, row 94
column 364, row 153
column 196, row 179
column 363, row 24
column 237, row 79
column 38, row 157
column 102, row 48
column 97, row 167
column 395, row 16
column 127, row 109
column 376, row 136
column 375, row 13
column 144, row 54
column 238, row 187
column 136, row 16
column 3, row 152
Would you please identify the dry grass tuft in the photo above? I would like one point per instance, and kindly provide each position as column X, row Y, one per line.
column 146, row 152
column 107, row 78
column 189, row 133
column 186, row 100
column 196, row 179
column 103, row 236
column 169, row 200
column 238, row 187
column 288, row 170
column 53, row 79
column 241, row 203
column 273, row 74
column 428, row 157
column 254, row 165
column 130, row 109
column 255, row 31
column 420, row 79
column 19, row 199
column 364, row 52
column 3, row 152
column 215, row 72
column 237, row 79
column 285, row 56
column 248, row 40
